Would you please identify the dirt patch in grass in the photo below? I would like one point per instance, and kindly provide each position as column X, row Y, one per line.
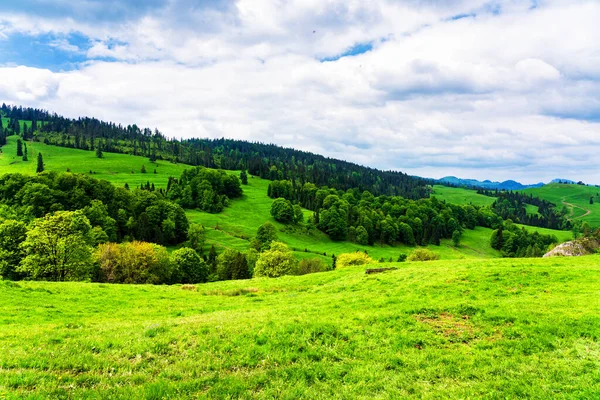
column 455, row 328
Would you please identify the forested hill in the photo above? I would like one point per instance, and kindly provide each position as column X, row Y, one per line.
column 265, row 160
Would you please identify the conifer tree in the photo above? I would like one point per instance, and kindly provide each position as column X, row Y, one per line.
column 25, row 152
column 40, row 163
column 19, row 148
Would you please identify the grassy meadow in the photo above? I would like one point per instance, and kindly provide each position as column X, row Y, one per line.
column 504, row 328
column 575, row 197
column 116, row 168
column 461, row 196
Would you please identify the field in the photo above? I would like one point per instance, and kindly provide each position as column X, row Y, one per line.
column 575, row 197
column 562, row 236
column 503, row 328
column 117, row 168
column 461, row 196
column 468, row 196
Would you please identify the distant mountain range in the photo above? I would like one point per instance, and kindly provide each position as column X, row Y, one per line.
column 487, row 184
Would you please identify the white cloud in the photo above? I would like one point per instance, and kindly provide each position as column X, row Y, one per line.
column 482, row 96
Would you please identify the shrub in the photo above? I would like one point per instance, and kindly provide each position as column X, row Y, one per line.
column 311, row 265
column 135, row 262
column 277, row 261
column 189, row 266
column 423, row 255
column 353, row 259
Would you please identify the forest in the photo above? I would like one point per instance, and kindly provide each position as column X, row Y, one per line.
column 512, row 205
column 265, row 160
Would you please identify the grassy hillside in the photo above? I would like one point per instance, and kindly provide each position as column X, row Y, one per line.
column 116, row 168
column 461, row 196
column 236, row 224
column 575, row 197
column 469, row 196
column 462, row 329
column 563, row 236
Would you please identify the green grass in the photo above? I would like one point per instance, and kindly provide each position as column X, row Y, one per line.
column 116, row 168
column 562, row 236
column 462, row 329
column 575, row 197
column 233, row 228
column 461, row 196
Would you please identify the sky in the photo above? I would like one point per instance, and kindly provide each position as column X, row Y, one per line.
column 484, row 89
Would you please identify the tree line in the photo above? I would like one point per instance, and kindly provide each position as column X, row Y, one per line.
column 265, row 160
column 512, row 205
column 364, row 218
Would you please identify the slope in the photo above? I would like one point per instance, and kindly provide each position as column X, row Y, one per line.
column 462, row 329
column 575, row 197
column 237, row 223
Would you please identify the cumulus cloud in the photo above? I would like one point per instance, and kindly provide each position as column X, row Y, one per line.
column 508, row 91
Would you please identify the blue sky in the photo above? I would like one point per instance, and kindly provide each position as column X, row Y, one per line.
column 486, row 89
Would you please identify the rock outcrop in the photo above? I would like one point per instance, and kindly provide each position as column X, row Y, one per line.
column 574, row 248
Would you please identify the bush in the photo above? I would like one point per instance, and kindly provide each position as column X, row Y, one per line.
column 135, row 262
column 277, row 261
column 282, row 210
column 353, row 259
column 423, row 255
column 311, row 265
column 189, row 266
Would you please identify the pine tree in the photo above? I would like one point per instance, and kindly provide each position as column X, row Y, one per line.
column 244, row 177
column 19, row 148
column 99, row 153
column 25, row 152
column 40, row 163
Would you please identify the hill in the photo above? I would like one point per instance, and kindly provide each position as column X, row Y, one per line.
column 264, row 160
column 460, row 329
column 233, row 228
column 576, row 198
column 116, row 168
column 487, row 184
column 462, row 196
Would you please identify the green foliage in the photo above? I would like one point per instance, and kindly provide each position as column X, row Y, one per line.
column 244, row 177
column 353, row 259
column 514, row 241
column 120, row 213
column 40, row 163
column 275, row 262
column 205, row 189
column 135, row 262
column 311, row 266
column 232, row 264
column 423, row 255
column 265, row 235
column 188, row 266
column 456, row 238
column 12, row 234
column 196, row 236
column 58, row 247
column 282, row 211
